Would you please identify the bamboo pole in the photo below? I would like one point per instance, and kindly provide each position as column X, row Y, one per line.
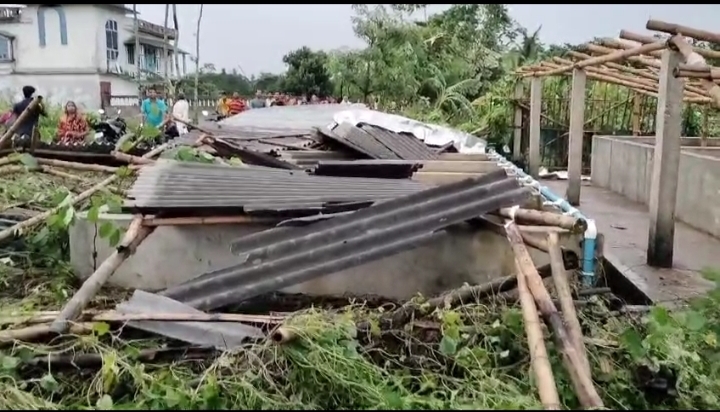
column 34, row 332
column 10, row 170
column 625, row 45
column 76, row 166
column 676, row 29
column 611, row 57
column 581, row 381
column 58, row 173
column 539, row 217
column 627, row 35
column 544, row 379
column 596, row 48
column 210, row 220
column 709, row 73
column 695, row 59
column 19, row 121
column 134, row 235
column 112, row 316
column 124, row 157
column 562, row 287
column 9, row 160
column 283, row 335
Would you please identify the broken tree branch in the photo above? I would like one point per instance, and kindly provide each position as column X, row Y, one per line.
column 7, row 136
column 134, row 235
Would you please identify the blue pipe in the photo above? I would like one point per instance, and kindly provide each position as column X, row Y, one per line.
column 590, row 235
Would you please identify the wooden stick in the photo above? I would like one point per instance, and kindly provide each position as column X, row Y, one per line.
column 9, row 159
column 210, row 220
column 560, row 279
column 627, row 35
column 611, row 57
column 134, row 235
column 583, row 384
column 283, row 335
column 539, row 217
column 156, row 151
column 596, row 48
column 35, row 332
column 75, row 165
column 114, row 317
column 19, row 121
column 544, row 379
column 131, row 159
column 676, row 29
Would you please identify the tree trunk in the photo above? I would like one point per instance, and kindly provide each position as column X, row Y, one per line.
column 197, row 65
column 165, row 40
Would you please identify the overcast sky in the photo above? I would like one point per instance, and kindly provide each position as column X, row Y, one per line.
column 254, row 37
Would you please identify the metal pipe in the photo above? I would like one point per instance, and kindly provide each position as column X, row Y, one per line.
column 590, row 235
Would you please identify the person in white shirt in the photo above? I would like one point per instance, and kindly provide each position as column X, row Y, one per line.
column 181, row 110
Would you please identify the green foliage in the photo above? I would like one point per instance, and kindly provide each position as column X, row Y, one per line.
column 307, row 73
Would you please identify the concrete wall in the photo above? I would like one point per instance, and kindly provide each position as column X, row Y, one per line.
column 172, row 255
column 624, row 165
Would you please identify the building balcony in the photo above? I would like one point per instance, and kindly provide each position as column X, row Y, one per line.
column 10, row 14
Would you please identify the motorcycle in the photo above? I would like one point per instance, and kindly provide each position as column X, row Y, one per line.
column 109, row 130
column 214, row 117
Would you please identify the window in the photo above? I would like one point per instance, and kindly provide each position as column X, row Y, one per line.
column 150, row 55
column 5, row 48
column 130, row 50
column 111, row 40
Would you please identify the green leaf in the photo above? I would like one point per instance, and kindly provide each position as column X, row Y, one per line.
column 101, row 328
column 105, row 229
column 694, row 321
column 114, row 238
column 660, row 315
column 68, row 215
column 93, row 214
column 633, row 343
column 105, row 403
column 48, row 382
column 29, row 161
column 448, row 346
column 10, row 363
column 114, row 205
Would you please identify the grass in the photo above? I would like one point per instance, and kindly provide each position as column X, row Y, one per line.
column 471, row 357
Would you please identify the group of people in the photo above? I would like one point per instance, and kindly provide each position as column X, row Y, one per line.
column 229, row 106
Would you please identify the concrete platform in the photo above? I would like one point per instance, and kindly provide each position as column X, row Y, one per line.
column 625, row 223
column 172, row 255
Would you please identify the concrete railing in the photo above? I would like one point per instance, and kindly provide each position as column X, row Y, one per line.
column 130, row 107
column 625, row 164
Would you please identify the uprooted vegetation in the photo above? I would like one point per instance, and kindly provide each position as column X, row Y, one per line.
column 336, row 355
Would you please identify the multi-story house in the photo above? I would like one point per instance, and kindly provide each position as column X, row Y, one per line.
column 80, row 52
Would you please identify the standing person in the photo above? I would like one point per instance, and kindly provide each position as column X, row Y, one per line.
column 153, row 109
column 258, row 102
column 181, row 110
column 236, row 105
column 29, row 125
column 72, row 127
column 222, row 105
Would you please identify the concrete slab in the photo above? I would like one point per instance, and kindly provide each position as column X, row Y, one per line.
column 625, row 226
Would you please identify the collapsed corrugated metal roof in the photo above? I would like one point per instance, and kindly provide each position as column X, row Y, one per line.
column 307, row 159
column 385, row 169
column 282, row 257
column 169, row 185
column 301, row 119
column 378, row 143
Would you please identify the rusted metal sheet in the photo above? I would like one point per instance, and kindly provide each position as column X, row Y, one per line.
column 282, row 257
column 405, row 146
column 378, row 143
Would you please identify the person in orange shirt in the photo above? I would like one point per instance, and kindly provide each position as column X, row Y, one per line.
column 236, row 105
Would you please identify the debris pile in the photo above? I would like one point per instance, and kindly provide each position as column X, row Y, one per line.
column 335, row 198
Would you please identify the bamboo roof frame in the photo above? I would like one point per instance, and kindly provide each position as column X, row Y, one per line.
column 602, row 60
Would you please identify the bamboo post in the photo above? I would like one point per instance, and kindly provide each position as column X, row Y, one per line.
column 517, row 121
column 134, row 235
column 627, row 35
column 542, row 218
column 562, row 287
column 666, row 164
column 544, row 379
column 575, row 141
column 282, row 335
column 76, row 166
column 535, row 112
column 581, row 381
column 676, row 29
column 636, row 115
column 19, row 121
column 694, row 59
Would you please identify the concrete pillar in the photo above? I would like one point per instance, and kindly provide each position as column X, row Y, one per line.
column 575, row 141
column 535, row 110
column 517, row 122
column 666, row 163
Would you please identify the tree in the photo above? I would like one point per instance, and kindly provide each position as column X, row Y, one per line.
column 307, row 73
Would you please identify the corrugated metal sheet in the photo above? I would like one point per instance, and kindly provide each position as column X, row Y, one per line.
column 405, row 146
column 308, row 159
column 379, row 143
column 301, row 119
column 181, row 185
column 384, row 169
column 282, row 257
